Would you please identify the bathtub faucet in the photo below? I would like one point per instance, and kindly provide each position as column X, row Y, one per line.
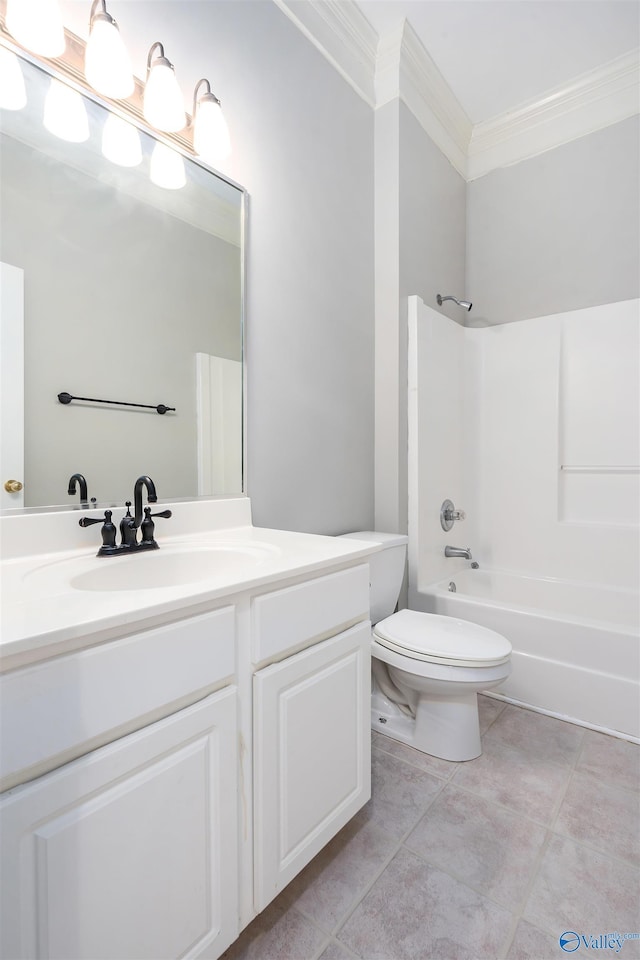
column 458, row 552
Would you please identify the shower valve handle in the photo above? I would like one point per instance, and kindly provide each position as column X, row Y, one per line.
column 449, row 515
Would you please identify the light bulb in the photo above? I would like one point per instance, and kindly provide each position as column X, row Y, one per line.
column 211, row 138
column 121, row 142
column 107, row 65
column 65, row 114
column 163, row 107
column 13, row 95
column 167, row 168
column 37, row 25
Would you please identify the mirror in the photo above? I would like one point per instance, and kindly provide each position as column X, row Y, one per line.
column 133, row 295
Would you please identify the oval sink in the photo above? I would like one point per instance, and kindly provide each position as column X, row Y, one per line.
column 170, row 566
column 167, row 568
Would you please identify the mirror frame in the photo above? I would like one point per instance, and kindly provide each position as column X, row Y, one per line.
column 68, row 69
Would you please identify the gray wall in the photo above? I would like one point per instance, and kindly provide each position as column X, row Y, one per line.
column 432, row 219
column 303, row 148
column 388, row 400
column 557, row 232
column 432, row 244
column 420, row 229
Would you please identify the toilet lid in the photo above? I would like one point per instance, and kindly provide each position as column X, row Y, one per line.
column 430, row 636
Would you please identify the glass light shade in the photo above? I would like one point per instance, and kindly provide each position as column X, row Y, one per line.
column 121, row 142
column 13, row 95
column 107, row 65
column 37, row 25
column 167, row 168
column 163, row 107
column 211, row 139
column 65, row 114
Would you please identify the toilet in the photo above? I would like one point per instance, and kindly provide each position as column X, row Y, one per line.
column 427, row 669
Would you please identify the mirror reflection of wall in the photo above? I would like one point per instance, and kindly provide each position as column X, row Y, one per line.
column 125, row 283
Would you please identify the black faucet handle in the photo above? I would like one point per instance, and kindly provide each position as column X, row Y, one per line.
column 89, row 521
column 108, row 532
column 148, row 526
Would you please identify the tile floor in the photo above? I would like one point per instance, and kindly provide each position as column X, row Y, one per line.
column 492, row 858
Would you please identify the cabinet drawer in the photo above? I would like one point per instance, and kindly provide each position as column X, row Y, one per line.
column 290, row 619
column 60, row 709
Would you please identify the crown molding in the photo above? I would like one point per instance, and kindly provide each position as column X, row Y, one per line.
column 589, row 103
column 397, row 66
column 404, row 69
column 343, row 35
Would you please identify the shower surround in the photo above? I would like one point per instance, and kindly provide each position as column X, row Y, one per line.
column 533, row 429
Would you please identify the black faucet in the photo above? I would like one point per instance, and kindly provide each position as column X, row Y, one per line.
column 129, row 525
column 137, row 497
column 84, row 496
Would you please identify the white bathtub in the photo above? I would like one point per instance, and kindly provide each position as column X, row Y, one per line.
column 565, row 636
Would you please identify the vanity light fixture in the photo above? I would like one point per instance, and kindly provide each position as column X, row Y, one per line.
column 166, row 168
column 121, row 142
column 211, row 139
column 37, row 25
column 162, row 105
column 13, row 95
column 65, row 114
column 107, row 65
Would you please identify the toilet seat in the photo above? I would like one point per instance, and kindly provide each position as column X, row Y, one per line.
column 442, row 640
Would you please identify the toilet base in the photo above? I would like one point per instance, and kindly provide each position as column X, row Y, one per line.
column 445, row 728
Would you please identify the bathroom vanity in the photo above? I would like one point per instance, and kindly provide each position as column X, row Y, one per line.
column 179, row 738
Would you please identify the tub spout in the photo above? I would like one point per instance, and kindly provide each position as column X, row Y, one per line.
column 458, row 552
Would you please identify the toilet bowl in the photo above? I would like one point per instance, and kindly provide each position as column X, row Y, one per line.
column 427, row 669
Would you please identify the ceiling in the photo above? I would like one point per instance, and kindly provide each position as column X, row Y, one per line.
column 498, row 54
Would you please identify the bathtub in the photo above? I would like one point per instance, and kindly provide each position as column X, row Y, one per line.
column 565, row 636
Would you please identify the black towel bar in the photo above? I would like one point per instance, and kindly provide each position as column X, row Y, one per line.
column 160, row 407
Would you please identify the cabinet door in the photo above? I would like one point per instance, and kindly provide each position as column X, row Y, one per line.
column 312, row 754
column 131, row 851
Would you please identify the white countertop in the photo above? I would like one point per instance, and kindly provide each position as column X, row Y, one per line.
column 43, row 615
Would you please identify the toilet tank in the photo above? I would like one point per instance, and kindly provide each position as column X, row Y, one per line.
column 386, row 570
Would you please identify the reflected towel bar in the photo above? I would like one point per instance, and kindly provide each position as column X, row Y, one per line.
column 159, row 408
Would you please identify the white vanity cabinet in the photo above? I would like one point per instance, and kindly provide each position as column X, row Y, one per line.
column 130, row 850
column 162, row 787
